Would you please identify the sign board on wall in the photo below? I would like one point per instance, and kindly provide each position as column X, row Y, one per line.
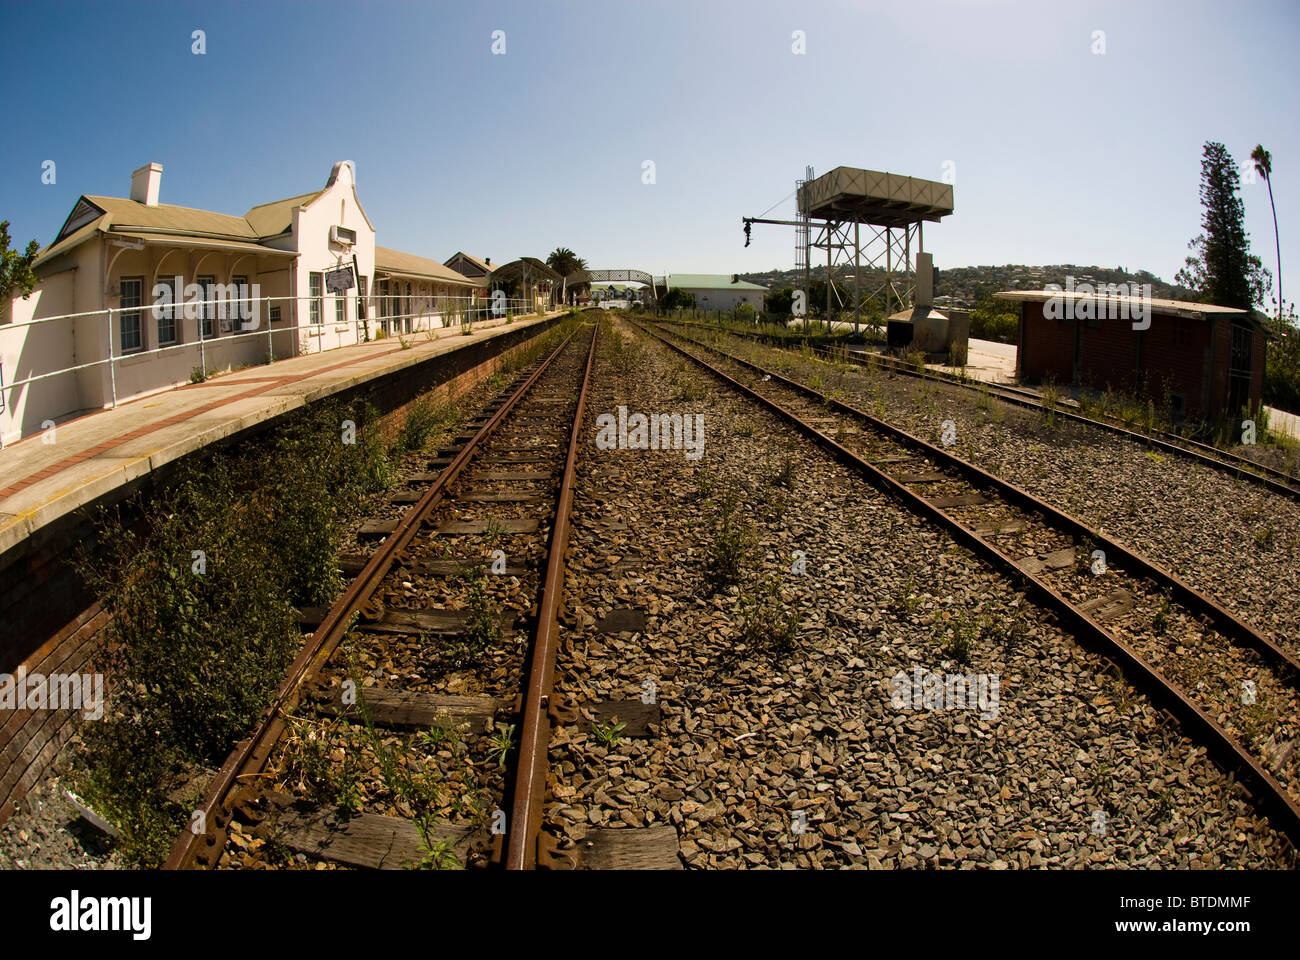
column 340, row 280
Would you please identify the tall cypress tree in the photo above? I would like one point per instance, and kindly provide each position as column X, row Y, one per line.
column 1222, row 269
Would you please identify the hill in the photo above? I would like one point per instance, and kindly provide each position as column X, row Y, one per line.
column 967, row 287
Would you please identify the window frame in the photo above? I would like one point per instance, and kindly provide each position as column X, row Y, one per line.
column 207, row 311
column 236, row 314
column 169, row 314
column 133, row 311
column 316, row 298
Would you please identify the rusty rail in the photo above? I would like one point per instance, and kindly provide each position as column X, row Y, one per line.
column 535, row 735
column 250, row 755
column 1266, row 793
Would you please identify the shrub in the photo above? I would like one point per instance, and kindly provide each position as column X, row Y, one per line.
column 677, row 298
column 203, row 592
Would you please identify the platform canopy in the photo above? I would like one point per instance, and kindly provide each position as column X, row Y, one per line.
column 869, row 196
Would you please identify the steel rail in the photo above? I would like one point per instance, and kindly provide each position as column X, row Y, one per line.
column 1277, row 481
column 250, row 755
column 1266, row 793
column 525, row 822
column 1225, row 621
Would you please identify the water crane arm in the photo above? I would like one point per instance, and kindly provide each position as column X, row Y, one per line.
column 750, row 221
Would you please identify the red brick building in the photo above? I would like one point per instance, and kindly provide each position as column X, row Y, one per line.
column 1204, row 361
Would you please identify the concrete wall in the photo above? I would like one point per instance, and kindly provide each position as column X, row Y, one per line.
column 31, row 351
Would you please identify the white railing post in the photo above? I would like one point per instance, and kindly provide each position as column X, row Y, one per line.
column 112, row 361
column 203, row 363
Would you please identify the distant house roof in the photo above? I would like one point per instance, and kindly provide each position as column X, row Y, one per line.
column 1178, row 308
column 482, row 264
column 537, row 270
column 398, row 264
column 709, row 281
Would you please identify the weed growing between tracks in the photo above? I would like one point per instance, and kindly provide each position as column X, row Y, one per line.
column 734, row 542
column 203, row 596
column 765, row 622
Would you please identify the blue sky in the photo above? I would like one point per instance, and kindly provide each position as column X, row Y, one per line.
column 1060, row 154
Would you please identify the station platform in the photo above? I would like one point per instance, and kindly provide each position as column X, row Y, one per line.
column 50, row 474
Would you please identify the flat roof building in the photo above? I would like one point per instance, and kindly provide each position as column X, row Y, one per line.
column 1197, row 360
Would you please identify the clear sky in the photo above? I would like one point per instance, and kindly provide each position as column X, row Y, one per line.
column 1060, row 154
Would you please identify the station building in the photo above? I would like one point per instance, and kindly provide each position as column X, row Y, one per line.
column 1197, row 360
column 312, row 257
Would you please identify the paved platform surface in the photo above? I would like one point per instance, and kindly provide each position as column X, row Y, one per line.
column 1279, row 421
column 987, row 360
column 41, row 481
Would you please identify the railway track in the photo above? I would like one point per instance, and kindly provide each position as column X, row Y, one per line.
column 479, row 553
column 1277, row 481
column 1232, row 688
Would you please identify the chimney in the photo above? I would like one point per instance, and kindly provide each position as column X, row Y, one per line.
column 145, row 183
column 735, row 278
column 488, row 261
column 924, row 296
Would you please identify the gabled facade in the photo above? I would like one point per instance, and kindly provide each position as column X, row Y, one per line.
column 471, row 266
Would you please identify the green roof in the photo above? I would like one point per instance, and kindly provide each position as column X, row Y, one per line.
column 709, row 281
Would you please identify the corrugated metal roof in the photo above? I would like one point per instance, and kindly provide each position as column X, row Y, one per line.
column 709, row 281
column 408, row 264
column 129, row 213
column 1180, row 308
column 273, row 219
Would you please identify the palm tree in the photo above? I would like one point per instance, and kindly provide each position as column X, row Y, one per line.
column 1264, row 167
column 564, row 261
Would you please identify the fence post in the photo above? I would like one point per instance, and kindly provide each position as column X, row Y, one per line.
column 112, row 361
column 270, row 347
column 203, row 362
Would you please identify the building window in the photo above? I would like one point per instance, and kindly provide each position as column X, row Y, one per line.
column 340, row 308
column 167, row 314
column 240, row 308
column 361, row 299
column 315, row 283
column 130, row 295
column 208, row 309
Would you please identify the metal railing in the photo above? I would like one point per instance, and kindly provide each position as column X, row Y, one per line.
column 370, row 318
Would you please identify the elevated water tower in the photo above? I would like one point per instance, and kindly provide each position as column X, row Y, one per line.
column 864, row 220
